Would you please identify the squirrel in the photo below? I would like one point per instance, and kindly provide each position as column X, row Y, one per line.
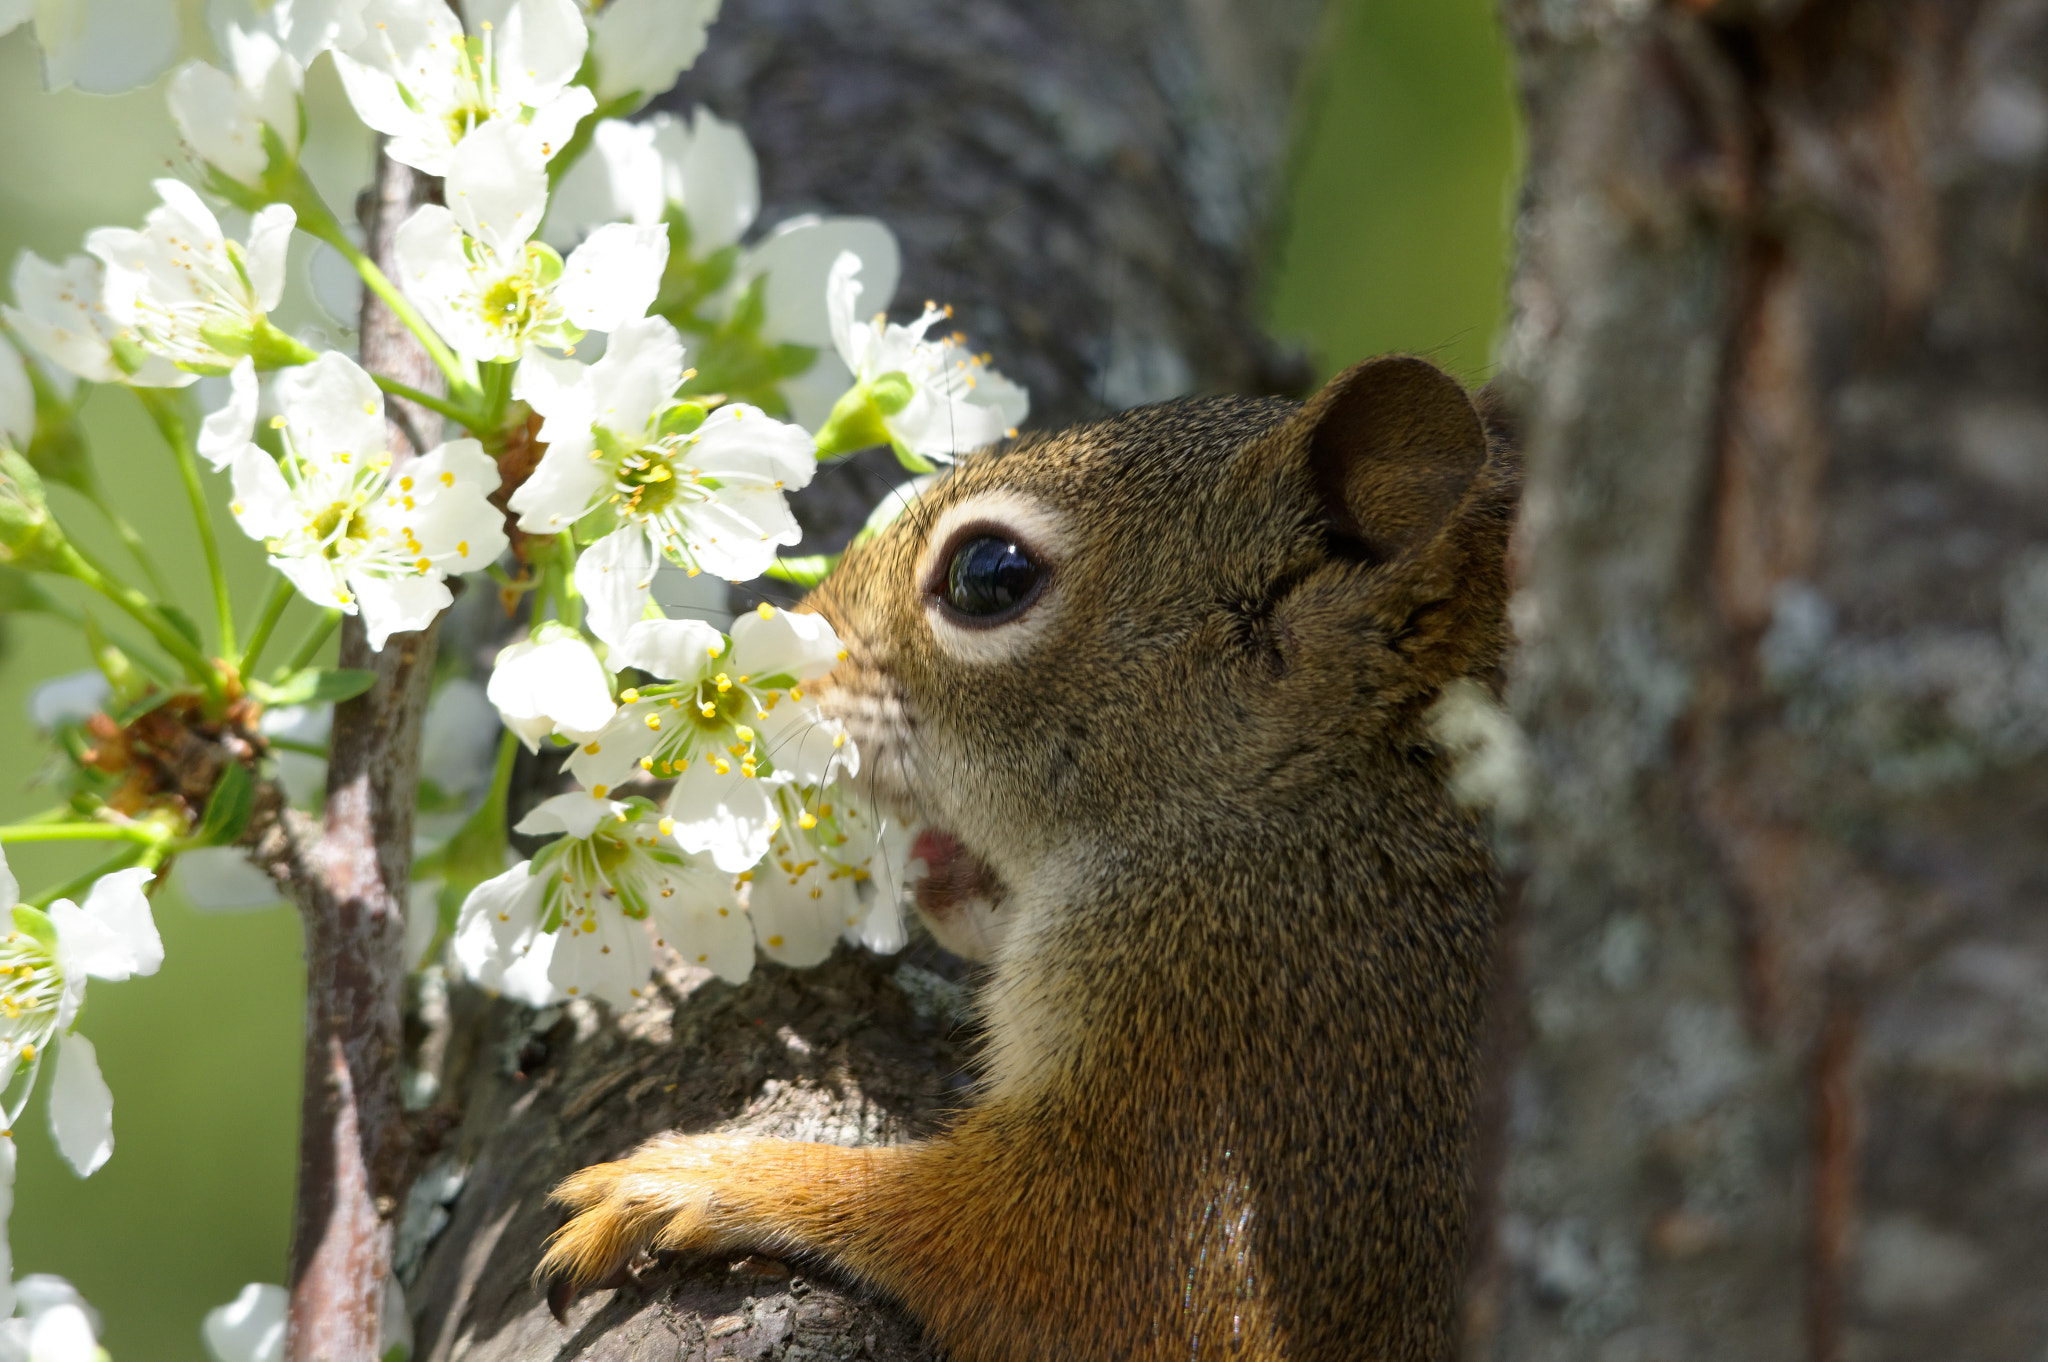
column 1158, row 686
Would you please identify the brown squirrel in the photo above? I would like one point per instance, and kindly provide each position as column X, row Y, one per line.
column 1158, row 684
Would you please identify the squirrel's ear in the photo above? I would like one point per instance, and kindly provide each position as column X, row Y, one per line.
column 1392, row 445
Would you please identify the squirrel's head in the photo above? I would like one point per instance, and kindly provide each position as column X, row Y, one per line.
column 1182, row 627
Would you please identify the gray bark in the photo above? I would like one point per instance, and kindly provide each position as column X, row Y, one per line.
column 1089, row 185
column 1777, row 1064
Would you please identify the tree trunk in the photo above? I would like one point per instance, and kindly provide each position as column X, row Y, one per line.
column 1089, row 184
column 1777, row 1074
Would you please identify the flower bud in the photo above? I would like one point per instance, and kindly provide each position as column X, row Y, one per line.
column 29, row 536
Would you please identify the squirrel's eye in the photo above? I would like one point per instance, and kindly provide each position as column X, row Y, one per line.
column 990, row 577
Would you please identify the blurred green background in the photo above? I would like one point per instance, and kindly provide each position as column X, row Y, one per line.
column 1395, row 237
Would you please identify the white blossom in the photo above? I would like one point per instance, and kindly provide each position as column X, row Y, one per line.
column 554, row 684
column 303, row 28
column 54, row 1324
column 222, row 116
column 45, row 960
column 103, row 47
column 17, row 398
column 249, row 1328
column 640, row 46
column 832, row 872
column 575, row 921
column 636, row 172
column 59, row 310
column 727, row 723
column 933, row 398
column 707, row 491
column 796, row 259
column 341, row 526
column 225, row 430
column 487, row 288
column 418, row 78
column 186, row 291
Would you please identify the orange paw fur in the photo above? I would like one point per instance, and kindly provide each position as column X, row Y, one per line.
column 665, row 1196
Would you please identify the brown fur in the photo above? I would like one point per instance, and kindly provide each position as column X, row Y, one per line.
column 1232, row 1015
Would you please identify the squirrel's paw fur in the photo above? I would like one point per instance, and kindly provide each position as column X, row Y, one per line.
column 661, row 1197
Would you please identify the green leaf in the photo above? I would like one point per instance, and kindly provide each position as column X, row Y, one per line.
column 315, row 685
column 227, row 808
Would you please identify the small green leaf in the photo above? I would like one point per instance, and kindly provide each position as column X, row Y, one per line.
column 228, row 808
column 315, row 685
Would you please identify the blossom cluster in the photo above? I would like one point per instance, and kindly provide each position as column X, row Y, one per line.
column 634, row 375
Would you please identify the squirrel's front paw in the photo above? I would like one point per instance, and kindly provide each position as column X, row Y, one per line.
column 662, row 1196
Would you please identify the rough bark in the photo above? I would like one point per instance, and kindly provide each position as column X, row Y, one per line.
column 1778, row 1082
column 350, row 888
column 1089, row 185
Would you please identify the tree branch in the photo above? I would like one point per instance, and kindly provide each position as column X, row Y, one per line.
column 350, row 887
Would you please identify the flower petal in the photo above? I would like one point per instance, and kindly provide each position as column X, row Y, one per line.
column 644, row 45
column 63, row 1333
column 225, row 433
column 614, row 576
column 675, row 650
column 613, row 277
column 559, row 682
column 800, row 256
column 540, row 45
column 720, row 181
column 497, row 185
column 81, row 1107
column 609, row 956
column 729, row 816
column 118, row 904
column 10, row 894
column 270, row 236
column 576, row 813
column 249, row 1328
column 331, row 407
column 498, row 942
column 106, row 47
column 784, row 643
column 71, row 698
column 640, row 372
column 398, row 605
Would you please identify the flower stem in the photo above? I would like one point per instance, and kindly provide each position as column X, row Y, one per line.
column 317, row 220
column 80, row 832
column 463, row 416
column 143, row 611
column 273, row 610
column 149, row 854
column 130, row 539
column 310, row 649
column 164, row 409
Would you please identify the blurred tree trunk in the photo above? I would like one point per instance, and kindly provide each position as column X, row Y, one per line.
column 1777, row 1083
column 1089, row 184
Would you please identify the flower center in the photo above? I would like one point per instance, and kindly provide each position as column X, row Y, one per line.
column 30, row 988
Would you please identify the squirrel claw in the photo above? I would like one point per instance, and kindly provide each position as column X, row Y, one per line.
column 564, row 1288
